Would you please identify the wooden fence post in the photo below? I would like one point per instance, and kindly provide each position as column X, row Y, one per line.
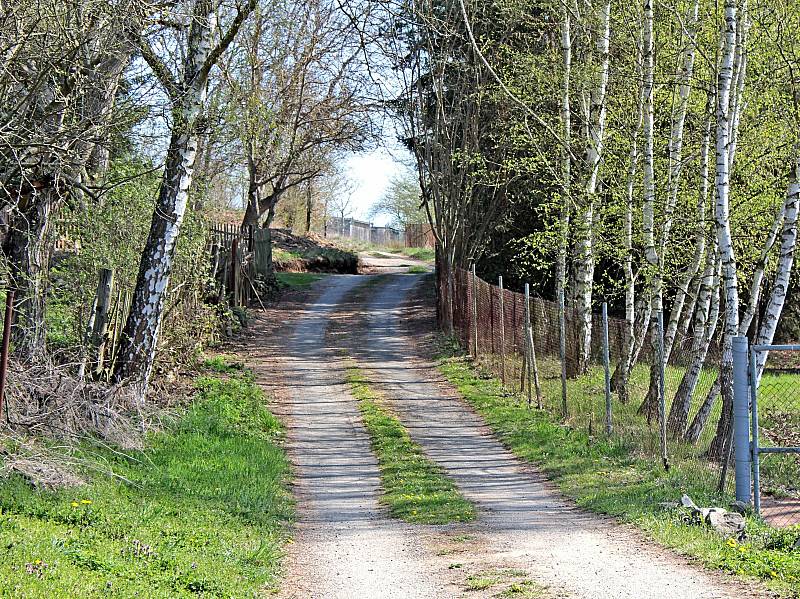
column 99, row 321
column 234, row 272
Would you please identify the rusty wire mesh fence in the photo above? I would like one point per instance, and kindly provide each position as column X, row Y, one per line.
column 492, row 323
column 778, row 440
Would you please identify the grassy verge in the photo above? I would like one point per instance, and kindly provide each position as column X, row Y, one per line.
column 424, row 254
column 605, row 477
column 298, row 280
column 202, row 510
column 418, row 270
column 415, row 489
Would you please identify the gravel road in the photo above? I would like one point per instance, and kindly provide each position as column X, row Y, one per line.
column 344, row 545
column 522, row 519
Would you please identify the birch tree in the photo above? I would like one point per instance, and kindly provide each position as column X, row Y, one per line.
column 722, row 224
column 594, row 115
column 186, row 88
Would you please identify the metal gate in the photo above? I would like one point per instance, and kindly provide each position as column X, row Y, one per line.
column 775, row 439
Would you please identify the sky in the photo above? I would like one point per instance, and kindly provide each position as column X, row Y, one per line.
column 370, row 172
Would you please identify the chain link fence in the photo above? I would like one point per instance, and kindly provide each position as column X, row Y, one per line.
column 776, row 434
column 518, row 340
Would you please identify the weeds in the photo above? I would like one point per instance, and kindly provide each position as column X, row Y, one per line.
column 202, row 510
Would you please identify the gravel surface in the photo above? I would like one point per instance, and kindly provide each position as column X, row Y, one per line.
column 344, row 545
column 522, row 520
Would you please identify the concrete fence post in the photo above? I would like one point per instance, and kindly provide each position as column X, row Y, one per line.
column 741, row 418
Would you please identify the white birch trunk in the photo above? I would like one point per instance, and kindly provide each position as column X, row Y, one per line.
column 584, row 251
column 723, row 225
column 629, row 341
column 777, row 299
column 141, row 332
column 566, row 174
column 703, row 328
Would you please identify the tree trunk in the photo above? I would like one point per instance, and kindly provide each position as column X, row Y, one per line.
column 705, row 324
column 723, row 227
column 309, row 206
column 566, row 187
column 140, row 335
column 780, row 286
column 625, row 363
column 650, row 403
column 584, row 251
column 28, row 247
column 700, row 240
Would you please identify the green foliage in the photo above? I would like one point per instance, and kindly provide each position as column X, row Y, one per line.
column 604, row 477
column 202, row 510
column 415, row 489
column 110, row 232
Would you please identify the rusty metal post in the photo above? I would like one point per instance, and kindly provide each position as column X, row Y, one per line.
column 502, row 331
column 5, row 346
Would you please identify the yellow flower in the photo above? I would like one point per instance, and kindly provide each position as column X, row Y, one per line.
column 37, row 562
column 74, row 504
column 742, row 549
column 731, row 542
column 773, row 573
column 86, row 501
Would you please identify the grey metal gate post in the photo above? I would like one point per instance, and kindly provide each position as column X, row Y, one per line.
column 741, row 417
column 607, row 368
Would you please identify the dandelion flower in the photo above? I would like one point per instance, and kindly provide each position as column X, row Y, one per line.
column 773, row 573
column 74, row 504
column 731, row 542
column 86, row 501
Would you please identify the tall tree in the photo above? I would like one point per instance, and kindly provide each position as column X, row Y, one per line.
column 186, row 90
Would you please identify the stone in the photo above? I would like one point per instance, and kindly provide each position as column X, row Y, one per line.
column 686, row 501
column 729, row 524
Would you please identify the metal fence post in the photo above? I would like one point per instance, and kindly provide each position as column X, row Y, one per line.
column 607, row 366
column 528, row 348
column 662, row 405
column 5, row 346
column 475, row 311
column 562, row 348
column 741, row 418
column 502, row 331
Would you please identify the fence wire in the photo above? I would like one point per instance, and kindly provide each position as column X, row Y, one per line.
column 491, row 323
column 779, row 427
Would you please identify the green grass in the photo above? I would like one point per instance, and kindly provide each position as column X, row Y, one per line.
column 424, row 254
column 298, row 280
column 418, row 270
column 415, row 489
column 606, row 477
column 201, row 511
